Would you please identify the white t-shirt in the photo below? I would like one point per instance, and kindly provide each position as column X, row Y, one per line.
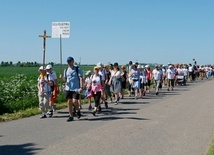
column 156, row 74
column 88, row 81
column 96, row 81
column 170, row 73
column 185, row 71
column 190, row 68
column 53, row 74
column 180, row 71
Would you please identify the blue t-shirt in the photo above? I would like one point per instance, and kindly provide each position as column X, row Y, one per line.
column 72, row 79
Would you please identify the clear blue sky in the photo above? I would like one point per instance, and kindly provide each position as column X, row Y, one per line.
column 158, row 31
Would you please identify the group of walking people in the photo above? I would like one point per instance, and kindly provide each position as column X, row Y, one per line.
column 108, row 83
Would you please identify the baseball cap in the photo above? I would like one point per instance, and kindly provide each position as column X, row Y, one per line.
column 147, row 66
column 70, row 59
column 48, row 67
column 142, row 66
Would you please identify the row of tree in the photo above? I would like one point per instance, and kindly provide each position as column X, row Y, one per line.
column 22, row 64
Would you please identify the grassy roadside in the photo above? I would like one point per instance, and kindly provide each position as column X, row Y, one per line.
column 211, row 149
column 32, row 112
column 25, row 113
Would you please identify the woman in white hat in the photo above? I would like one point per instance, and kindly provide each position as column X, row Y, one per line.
column 44, row 91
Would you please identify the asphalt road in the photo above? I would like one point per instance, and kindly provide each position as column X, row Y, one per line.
column 178, row 122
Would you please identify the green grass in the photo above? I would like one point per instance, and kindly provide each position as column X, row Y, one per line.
column 211, row 149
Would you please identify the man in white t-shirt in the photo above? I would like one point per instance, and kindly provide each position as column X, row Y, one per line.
column 170, row 77
column 156, row 73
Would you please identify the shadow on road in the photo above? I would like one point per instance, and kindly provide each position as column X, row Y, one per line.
column 28, row 148
column 113, row 118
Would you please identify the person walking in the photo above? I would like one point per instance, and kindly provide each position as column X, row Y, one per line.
column 73, row 78
column 87, row 85
column 170, row 77
column 156, row 74
column 97, row 88
column 143, row 75
column 51, row 72
column 102, row 72
column 135, row 75
column 124, row 80
column 115, row 82
column 44, row 91
column 149, row 77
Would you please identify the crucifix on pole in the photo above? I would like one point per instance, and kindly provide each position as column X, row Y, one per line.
column 44, row 46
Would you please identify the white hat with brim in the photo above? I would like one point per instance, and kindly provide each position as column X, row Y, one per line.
column 99, row 64
column 41, row 68
column 48, row 67
column 87, row 73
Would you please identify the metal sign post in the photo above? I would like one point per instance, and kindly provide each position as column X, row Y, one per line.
column 60, row 30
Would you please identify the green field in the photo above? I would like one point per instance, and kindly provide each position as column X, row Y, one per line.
column 18, row 87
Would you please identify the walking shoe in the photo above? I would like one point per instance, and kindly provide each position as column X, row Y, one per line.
column 168, row 89
column 50, row 113
column 78, row 114
column 100, row 109
column 156, row 93
column 106, row 105
column 80, row 107
column 94, row 113
column 70, row 118
column 90, row 107
column 116, row 103
column 43, row 116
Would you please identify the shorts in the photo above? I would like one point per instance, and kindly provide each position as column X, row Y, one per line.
column 72, row 95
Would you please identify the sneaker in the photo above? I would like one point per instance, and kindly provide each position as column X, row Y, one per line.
column 50, row 113
column 168, row 89
column 78, row 114
column 80, row 107
column 116, row 103
column 94, row 113
column 90, row 107
column 106, row 105
column 156, row 93
column 70, row 118
column 43, row 116
column 135, row 97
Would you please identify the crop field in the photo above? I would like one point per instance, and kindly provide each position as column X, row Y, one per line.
column 18, row 87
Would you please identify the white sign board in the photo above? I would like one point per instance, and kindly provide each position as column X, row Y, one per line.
column 62, row 28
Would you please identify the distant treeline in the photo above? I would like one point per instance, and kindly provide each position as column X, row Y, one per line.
column 22, row 64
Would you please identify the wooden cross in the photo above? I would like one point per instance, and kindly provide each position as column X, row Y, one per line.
column 44, row 43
